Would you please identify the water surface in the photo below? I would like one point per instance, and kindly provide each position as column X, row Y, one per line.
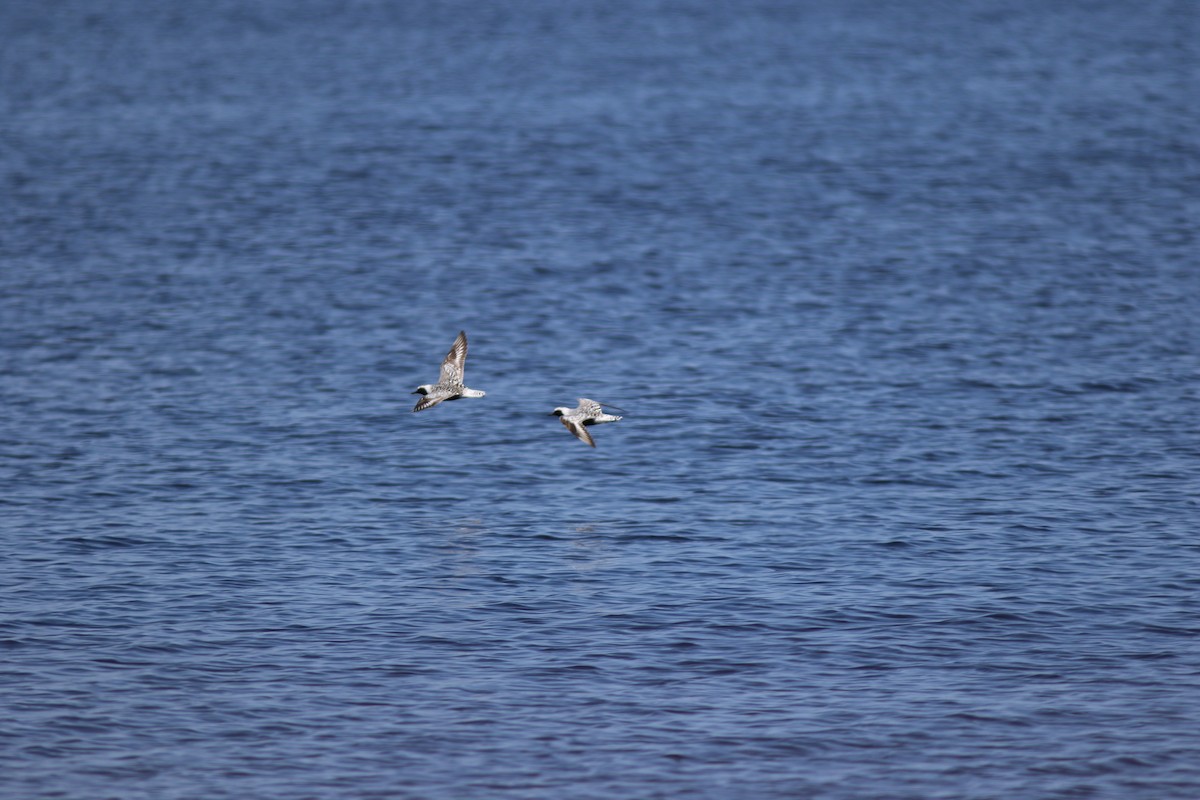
column 900, row 299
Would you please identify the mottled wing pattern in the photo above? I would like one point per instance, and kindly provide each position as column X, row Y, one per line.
column 580, row 432
column 430, row 400
column 589, row 408
column 454, row 364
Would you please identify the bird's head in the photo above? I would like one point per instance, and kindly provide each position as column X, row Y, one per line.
column 558, row 412
column 425, row 389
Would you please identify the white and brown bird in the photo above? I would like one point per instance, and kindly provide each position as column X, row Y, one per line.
column 450, row 383
column 576, row 420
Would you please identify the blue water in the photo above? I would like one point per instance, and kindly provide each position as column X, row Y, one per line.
column 900, row 299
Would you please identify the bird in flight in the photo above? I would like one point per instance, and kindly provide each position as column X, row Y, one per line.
column 450, row 383
column 576, row 420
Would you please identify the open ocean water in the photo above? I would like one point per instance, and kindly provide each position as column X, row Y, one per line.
column 902, row 300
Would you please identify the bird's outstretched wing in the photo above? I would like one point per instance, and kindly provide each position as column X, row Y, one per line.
column 589, row 408
column 577, row 428
column 429, row 401
column 454, row 364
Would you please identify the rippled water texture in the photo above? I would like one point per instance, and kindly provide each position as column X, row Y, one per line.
column 900, row 299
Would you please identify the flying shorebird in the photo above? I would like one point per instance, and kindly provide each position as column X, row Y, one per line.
column 450, row 382
column 576, row 420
